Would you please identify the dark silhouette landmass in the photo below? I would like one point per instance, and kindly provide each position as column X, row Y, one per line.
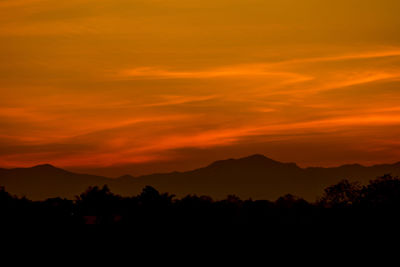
column 345, row 203
column 256, row 177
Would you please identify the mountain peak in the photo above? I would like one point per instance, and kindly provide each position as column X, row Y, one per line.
column 47, row 168
column 44, row 166
column 256, row 159
column 259, row 159
column 256, row 156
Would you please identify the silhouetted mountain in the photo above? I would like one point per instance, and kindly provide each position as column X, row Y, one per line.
column 256, row 177
column 47, row 181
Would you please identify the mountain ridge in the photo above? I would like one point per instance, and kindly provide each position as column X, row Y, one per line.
column 255, row 176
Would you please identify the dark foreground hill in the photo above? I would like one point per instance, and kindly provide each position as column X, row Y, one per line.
column 256, row 177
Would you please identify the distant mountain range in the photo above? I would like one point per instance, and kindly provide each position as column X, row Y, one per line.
column 256, row 177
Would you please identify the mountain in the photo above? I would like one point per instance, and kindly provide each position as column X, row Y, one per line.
column 256, row 177
column 47, row 181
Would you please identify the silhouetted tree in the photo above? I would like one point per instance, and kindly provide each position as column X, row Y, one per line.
column 5, row 198
column 97, row 205
column 290, row 201
column 383, row 192
column 151, row 197
column 154, row 206
column 343, row 203
column 14, row 209
column 194, row 210
column 340, row 195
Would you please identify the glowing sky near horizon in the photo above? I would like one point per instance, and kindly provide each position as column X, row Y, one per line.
column 94, row 83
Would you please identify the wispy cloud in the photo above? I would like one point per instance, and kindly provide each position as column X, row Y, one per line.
column 235, row 71
column 172, row 100
column 380, row 53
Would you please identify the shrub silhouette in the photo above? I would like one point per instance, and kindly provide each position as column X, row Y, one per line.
column 342, row 203
column 383, row 192
column 340, row 195
column 97, row 205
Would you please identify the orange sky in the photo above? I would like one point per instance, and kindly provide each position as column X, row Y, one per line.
column 144, row 86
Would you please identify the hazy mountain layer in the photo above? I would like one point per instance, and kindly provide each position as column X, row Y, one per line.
column 256, row 177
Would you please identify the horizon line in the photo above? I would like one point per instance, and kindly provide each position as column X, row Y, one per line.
column 67, row 168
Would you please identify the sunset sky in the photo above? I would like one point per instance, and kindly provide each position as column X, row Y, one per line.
column 142, row 86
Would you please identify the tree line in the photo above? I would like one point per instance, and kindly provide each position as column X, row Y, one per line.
column 343, row 203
